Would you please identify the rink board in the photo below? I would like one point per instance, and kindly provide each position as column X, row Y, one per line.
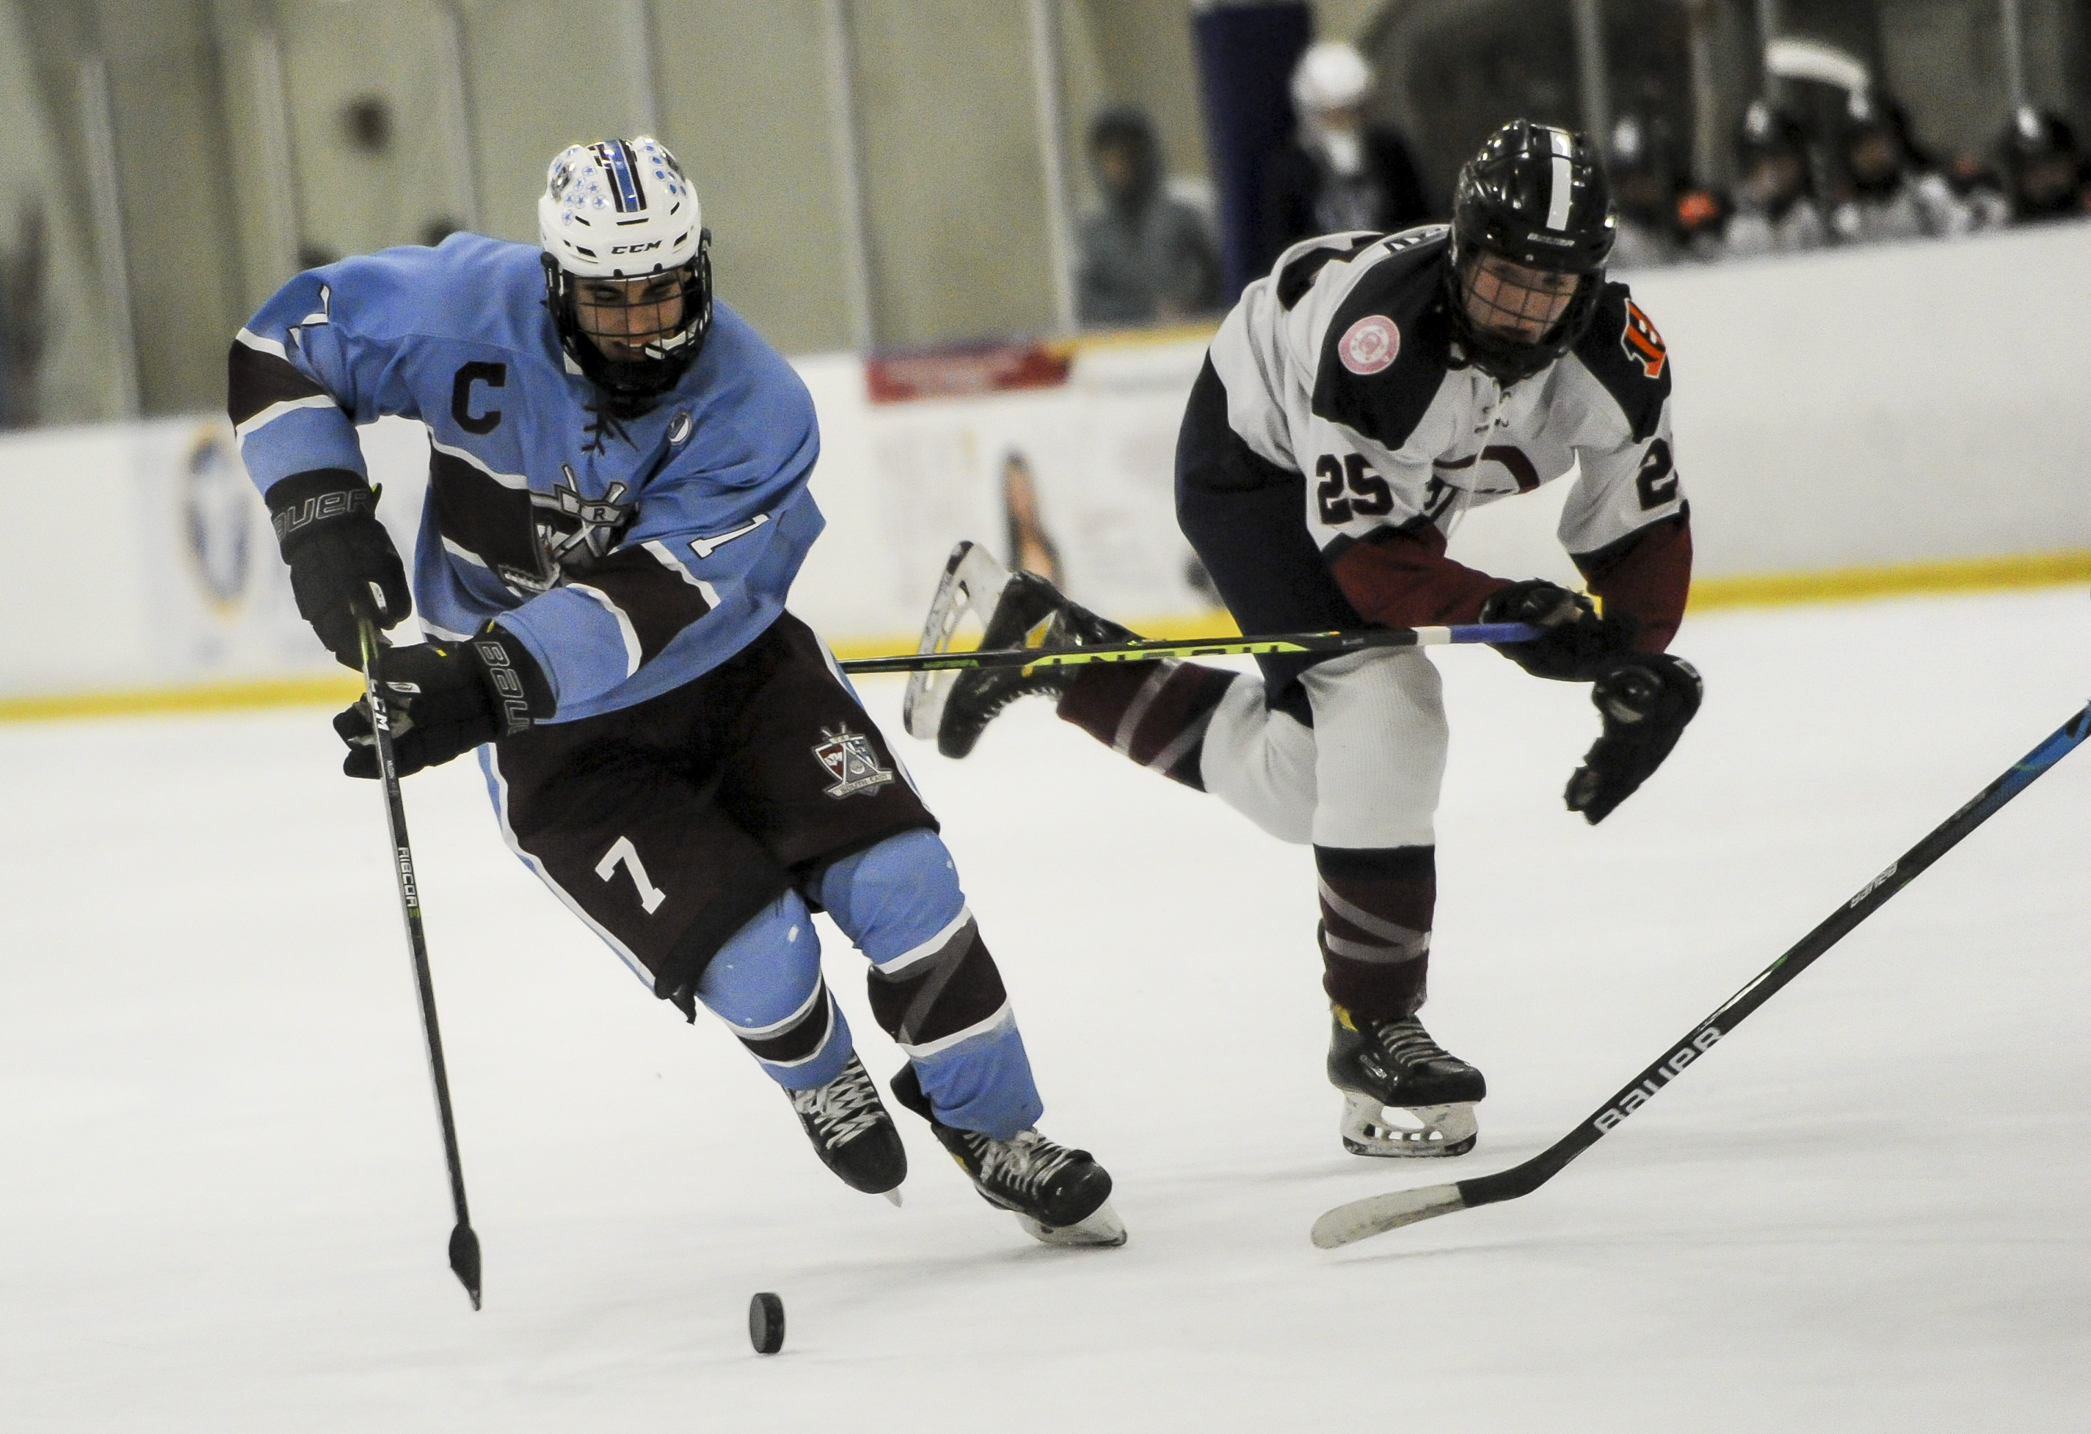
column 1847, row 423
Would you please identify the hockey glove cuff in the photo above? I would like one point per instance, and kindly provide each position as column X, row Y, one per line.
column 445, row 698
column 342, row 562
column 1577, row 644
column 1645, row 701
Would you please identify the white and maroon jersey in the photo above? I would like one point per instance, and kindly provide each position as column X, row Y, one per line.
column 1342, row 365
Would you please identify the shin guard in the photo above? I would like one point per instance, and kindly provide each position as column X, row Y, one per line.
column 1376, row 910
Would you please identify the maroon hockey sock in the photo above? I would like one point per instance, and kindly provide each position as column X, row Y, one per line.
column 1375, row 927
column 1154, row 712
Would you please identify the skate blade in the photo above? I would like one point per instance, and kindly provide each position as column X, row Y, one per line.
column 1434, row 1131
column 972, row 582
column 1101, row 1230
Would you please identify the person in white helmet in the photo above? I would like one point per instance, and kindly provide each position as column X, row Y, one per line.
column 1338, row 172
column 617, row 507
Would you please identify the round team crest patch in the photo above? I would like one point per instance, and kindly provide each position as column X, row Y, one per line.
column 1370, row 344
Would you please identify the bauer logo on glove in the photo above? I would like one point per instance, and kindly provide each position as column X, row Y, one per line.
column 448, row 699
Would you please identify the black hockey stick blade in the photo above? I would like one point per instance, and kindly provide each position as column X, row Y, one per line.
column 1150, row 649
column 1378, row 1214
column 464, row 1259
column 464, row 1244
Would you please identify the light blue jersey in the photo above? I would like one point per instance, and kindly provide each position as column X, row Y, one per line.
column 629, row 555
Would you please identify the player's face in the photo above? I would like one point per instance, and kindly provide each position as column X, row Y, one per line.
column 622, row 316
column 1514, row 302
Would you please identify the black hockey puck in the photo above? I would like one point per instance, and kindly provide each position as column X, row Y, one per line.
column 766, row 1323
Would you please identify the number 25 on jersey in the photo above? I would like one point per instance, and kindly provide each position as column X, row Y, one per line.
column 1349, row 489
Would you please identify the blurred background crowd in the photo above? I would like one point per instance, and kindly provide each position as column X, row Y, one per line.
column 898, row 174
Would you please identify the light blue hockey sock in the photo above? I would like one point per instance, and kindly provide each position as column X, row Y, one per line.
column 934, row 985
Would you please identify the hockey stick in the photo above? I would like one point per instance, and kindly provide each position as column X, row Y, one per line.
column 464, row 1244
column 1148, row 649
column 1380, row 1213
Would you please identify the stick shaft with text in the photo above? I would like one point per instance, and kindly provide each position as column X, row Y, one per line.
column 1380, row 1213
column 464, row 1243
column 1150, row 649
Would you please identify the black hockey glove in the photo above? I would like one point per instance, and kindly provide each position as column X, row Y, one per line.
column 1577, row 644
column 342, row 562
column 447, row 698
column 1645, row 701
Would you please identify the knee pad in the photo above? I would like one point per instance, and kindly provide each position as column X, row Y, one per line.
column 766, row 984
column 891, row 898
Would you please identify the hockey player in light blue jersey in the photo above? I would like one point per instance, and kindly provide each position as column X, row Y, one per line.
column 617, row 507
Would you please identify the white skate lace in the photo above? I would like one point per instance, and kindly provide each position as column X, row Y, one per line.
column 1023, row 1165
column 843, row 1109
column 1409, row 1044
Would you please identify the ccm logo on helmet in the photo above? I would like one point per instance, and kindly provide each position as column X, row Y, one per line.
column 635, row 248
column 1642, row 343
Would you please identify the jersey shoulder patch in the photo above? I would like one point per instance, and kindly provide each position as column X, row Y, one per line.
column 1625, row 353
column 1388, row 346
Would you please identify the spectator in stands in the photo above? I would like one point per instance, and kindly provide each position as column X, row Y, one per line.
column 1891, row 189
column 2045, row 174
column 1663, row 218
column 22, row 319
column 1144, row 256
column 1976, row 183
column 1775, row 210
column 1337, row 172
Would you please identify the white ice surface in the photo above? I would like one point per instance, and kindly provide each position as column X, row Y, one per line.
column 222, row 1203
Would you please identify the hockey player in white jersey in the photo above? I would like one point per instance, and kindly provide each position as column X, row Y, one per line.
column 617, row 507
column 1353, row 405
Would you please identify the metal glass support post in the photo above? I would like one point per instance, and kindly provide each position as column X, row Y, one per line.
column 1052, row 154
column 2012, row 34
column 278, row 181
column 1708, row 149
column 1590, row 72
column 1769, row 22
column 456, row 100
column 98, row 129
column 839, row 57
column 635, row 31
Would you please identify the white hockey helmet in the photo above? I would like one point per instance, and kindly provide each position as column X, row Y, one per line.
column 1332, row 75
column 623, row 209
column 619, row 209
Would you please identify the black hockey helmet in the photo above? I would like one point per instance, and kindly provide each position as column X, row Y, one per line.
column 1878, row 146
column 2038, row 134
column 1767, row 129
column 1535, row 196
column 2043, row 168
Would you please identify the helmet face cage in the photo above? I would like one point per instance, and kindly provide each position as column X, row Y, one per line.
column 1534, row 197
column 617, row 219
column 631, row 362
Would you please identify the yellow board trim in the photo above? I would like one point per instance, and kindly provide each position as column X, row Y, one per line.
column 2032, row 570
column 195, row 697
column 1708, row 594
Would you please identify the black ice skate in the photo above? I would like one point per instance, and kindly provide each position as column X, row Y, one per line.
column 1383, row 1064
column 1059, row 1196
column 1019, row 610
column 851, row 1132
